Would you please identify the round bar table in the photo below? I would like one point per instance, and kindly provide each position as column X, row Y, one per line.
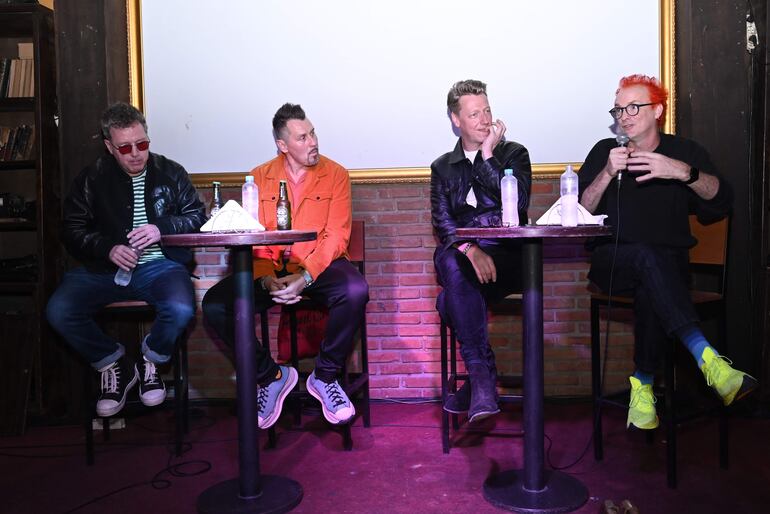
column 534, row 489
column 250, row 492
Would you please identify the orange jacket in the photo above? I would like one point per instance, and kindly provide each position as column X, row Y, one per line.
column 324, row 207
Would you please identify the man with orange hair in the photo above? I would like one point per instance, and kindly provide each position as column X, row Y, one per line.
column 648, row 188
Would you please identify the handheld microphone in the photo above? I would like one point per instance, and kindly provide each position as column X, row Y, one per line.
column 622, row 140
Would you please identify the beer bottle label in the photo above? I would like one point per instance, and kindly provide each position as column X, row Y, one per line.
column 284, row 221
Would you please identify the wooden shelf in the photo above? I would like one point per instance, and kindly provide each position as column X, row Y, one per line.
column 12, row 224
column 18, row 288
column 17, row 104
column 18, row 165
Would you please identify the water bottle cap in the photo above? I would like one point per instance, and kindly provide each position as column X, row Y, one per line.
column 569, row 168
column 249, row 178
column 508, row 172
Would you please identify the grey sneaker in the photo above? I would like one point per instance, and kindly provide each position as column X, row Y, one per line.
column 336, row 405
column 270, row 397
column 117, row 379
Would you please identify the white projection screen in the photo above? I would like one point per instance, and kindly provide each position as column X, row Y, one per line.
column 373, row 76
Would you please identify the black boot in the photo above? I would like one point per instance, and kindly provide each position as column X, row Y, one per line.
column 459, row 402
column 483, row 393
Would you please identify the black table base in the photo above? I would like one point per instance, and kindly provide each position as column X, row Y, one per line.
column 279, row 494
column 562, row 493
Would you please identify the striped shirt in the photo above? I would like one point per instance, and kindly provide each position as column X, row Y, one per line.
column 152, row 252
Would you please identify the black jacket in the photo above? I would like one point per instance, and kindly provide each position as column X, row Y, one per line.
column 451, row 178
column 99, row 209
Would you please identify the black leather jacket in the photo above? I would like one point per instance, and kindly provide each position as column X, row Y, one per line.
column 99, row 209
column 451, row 178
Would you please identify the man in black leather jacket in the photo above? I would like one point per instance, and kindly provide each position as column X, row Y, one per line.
column 114, row 216
column 465, row 192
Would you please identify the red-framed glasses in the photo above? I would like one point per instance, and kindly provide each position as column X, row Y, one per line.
column 126, row 148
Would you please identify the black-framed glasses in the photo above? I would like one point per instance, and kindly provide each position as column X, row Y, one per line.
column 126, row 148
column 631, row 110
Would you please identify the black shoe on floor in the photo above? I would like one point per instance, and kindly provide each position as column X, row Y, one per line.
column 483, row 393
column 152, row 390
column 459, row 402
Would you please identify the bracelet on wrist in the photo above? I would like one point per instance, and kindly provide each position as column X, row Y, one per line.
column 466, row 248
column 694, row 175
column 308, row 278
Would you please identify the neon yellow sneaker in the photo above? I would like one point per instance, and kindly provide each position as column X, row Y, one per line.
column 730, row 383
column 641, row 408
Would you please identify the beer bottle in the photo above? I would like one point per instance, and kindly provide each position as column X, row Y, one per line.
column 216, row 199
column 283, row 207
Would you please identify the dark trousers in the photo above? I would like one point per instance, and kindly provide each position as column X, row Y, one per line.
column 657, row 279
column 463, row 301
column 340, row 287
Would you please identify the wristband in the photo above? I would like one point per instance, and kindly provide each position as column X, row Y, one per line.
column 467, row 247
column 308, row 278
column 694, row 175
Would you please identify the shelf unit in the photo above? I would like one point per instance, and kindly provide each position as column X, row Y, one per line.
column 35, row 237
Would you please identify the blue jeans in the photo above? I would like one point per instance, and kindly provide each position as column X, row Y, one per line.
column 162, row 283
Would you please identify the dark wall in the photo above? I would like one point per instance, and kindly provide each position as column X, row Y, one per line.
column 714, row 87
column 92, row 71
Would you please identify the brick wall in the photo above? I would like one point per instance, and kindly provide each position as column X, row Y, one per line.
column 403, row 325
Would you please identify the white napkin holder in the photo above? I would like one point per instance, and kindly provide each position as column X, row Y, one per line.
column 232, row 218
column 553, row 216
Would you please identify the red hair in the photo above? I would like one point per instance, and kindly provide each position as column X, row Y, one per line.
column 658, row 93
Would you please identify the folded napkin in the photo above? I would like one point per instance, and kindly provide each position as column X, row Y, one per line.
column 553, row 216
column 232, row 218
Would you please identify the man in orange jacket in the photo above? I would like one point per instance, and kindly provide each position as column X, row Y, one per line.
column 319, row 191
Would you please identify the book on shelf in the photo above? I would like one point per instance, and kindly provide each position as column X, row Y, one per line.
column 26, row 50
column 16, row 143
column 5, row 73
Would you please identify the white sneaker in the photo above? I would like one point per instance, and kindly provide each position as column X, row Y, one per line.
column 117, row 379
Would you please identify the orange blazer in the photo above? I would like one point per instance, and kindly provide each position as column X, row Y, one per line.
column 324, row 207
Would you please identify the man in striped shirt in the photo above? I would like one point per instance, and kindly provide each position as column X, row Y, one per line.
column 114, row 216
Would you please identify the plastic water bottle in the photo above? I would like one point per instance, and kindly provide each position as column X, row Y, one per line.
column 123, row 277
column 250, row 197
column 569, row 198
column 509, row 191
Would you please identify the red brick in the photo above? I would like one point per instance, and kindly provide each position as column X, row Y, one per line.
column 415, row 255
column 401, row 242
column 417, row 204
column 401, row 343
column 416, row 305
column 417, row 330
column 373, row 206
column 403, row 267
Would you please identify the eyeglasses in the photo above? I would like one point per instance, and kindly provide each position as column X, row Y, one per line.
column 126, row 148
column 631, row 110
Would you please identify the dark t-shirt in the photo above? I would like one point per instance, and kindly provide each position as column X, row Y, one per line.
column 656, row 212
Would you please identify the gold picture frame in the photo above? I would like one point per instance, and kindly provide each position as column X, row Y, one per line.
column 400, row 175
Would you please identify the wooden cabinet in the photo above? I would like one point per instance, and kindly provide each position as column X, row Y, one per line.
column 30, row 252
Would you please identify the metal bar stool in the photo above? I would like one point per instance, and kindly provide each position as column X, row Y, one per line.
column 708, row 256
column 450, row 375
column 143, row 312
column 355, row 384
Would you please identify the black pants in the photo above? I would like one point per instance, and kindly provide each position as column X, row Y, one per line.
column 657, row 279
column 340, row 287
column 463, row 302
